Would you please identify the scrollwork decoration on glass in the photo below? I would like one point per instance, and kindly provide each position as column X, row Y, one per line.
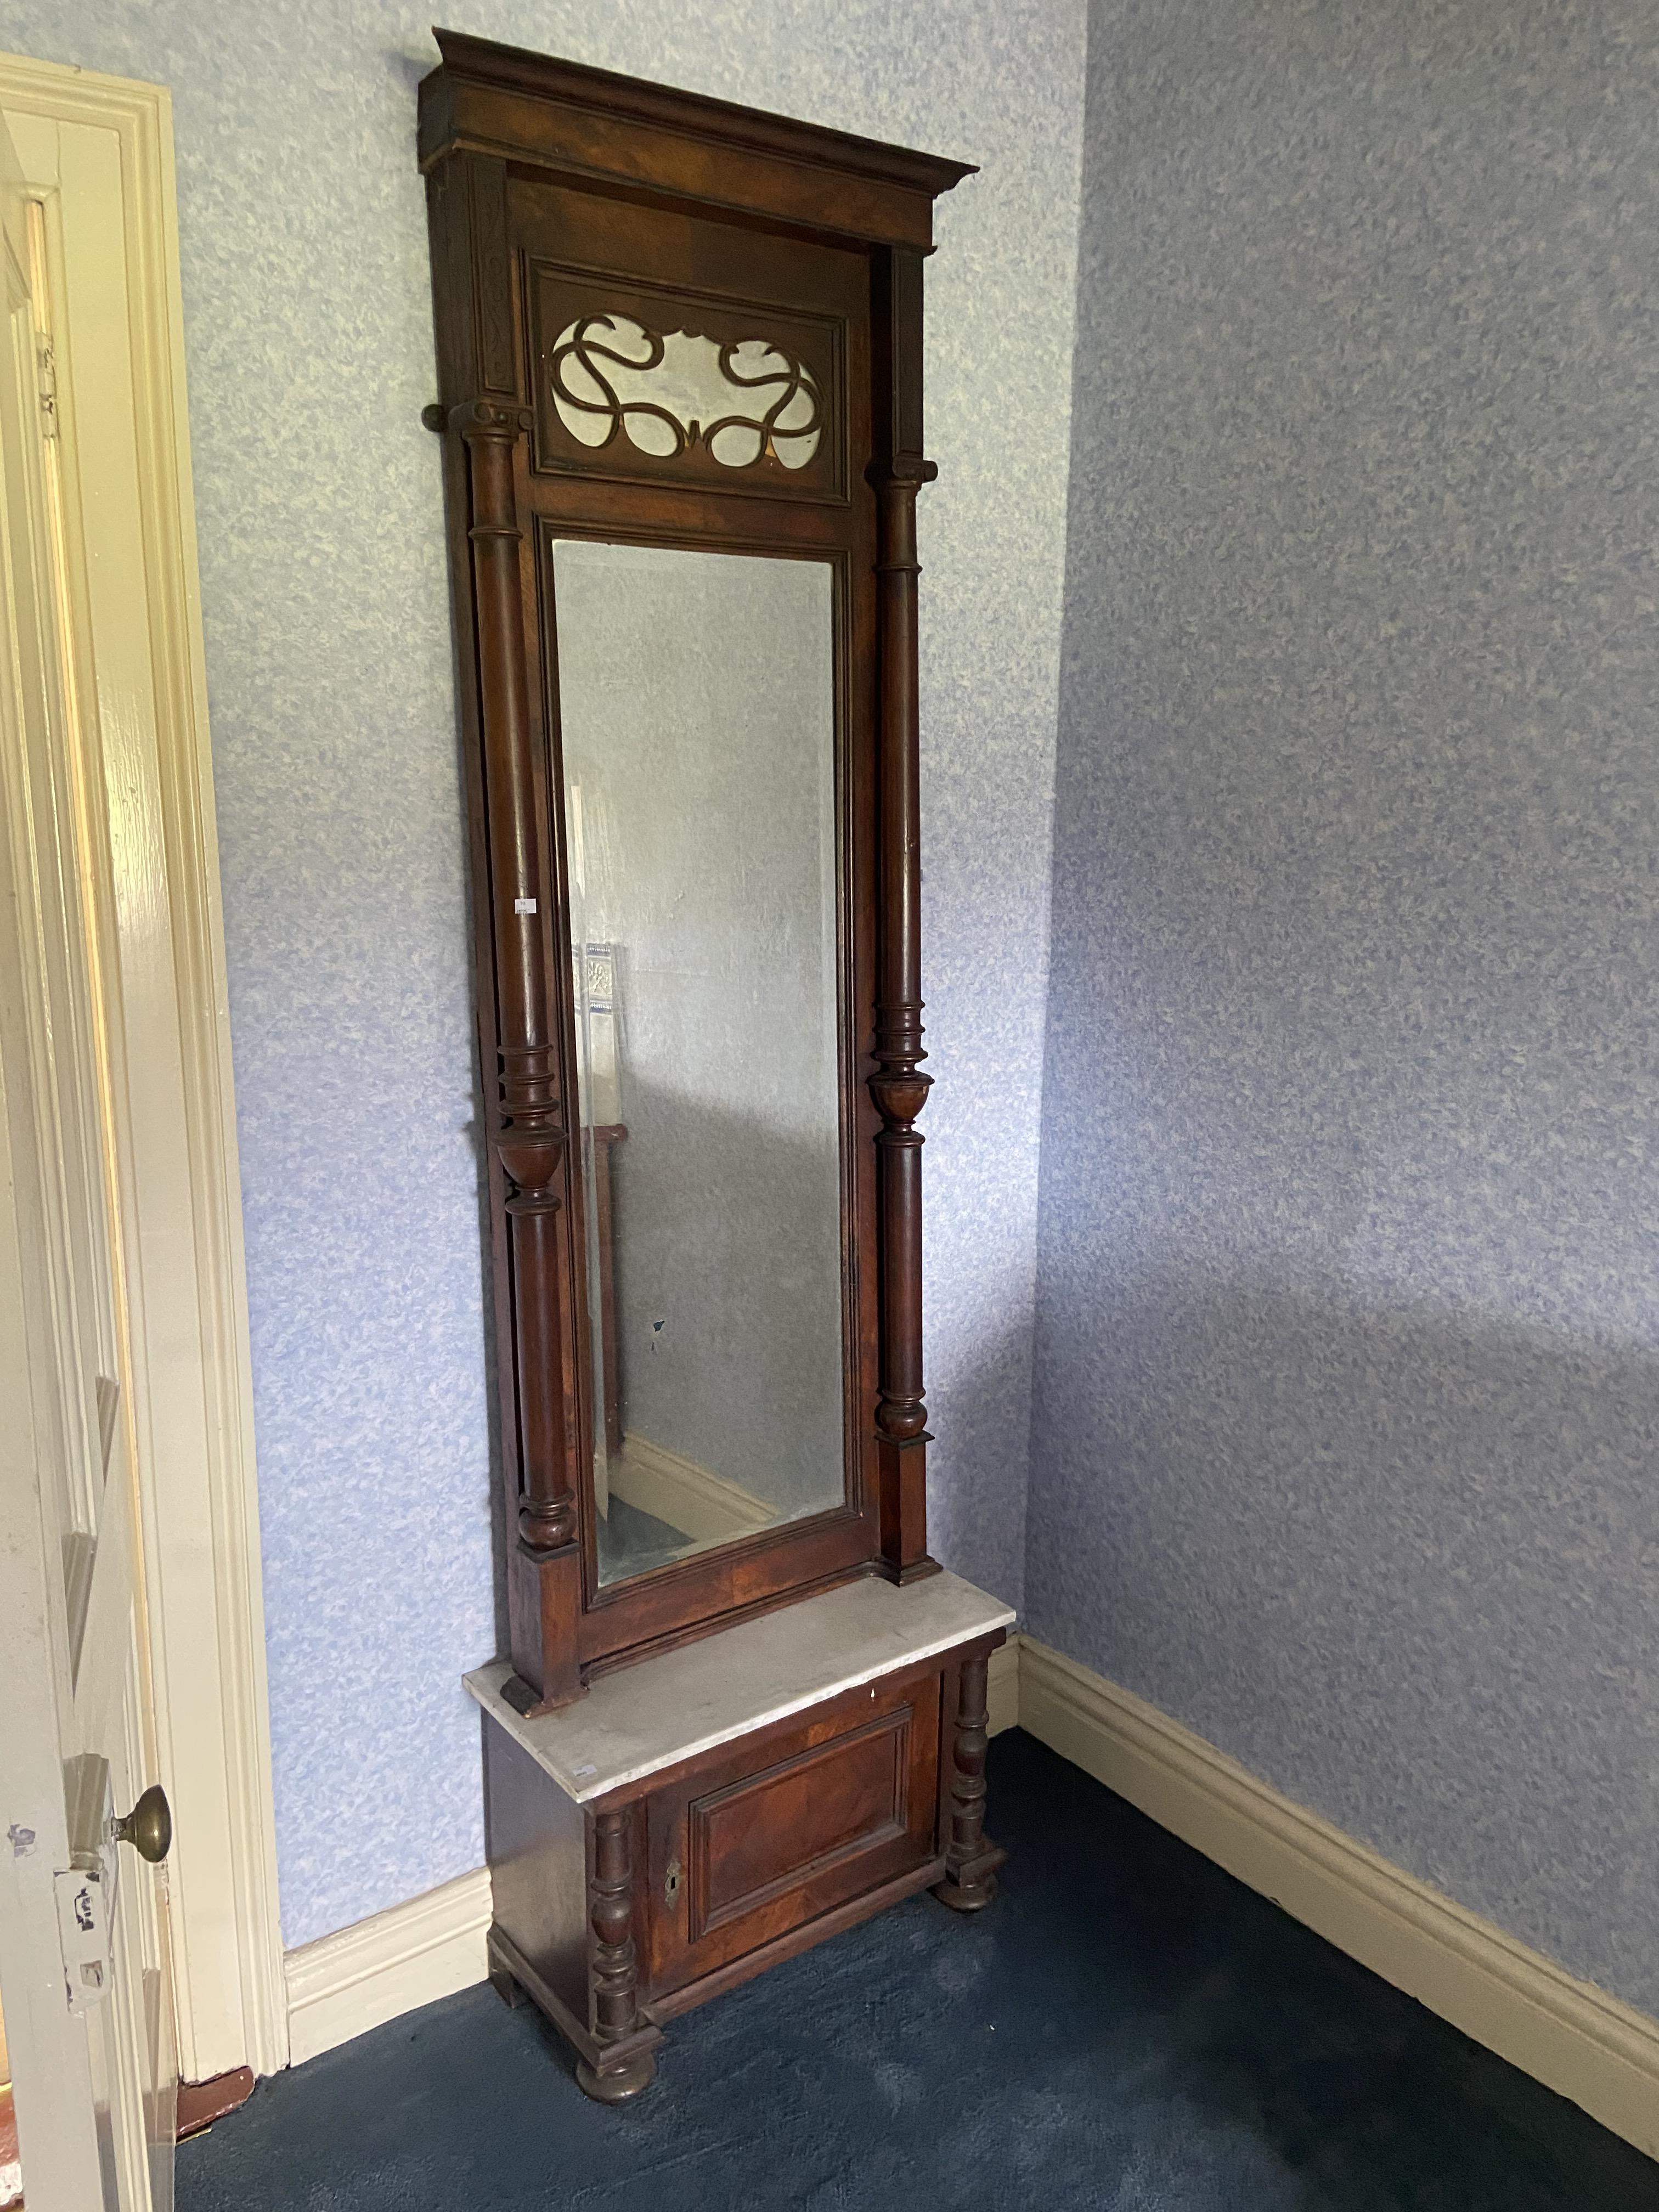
column 668, row 392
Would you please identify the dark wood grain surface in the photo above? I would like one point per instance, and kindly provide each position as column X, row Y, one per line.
column 556, row 192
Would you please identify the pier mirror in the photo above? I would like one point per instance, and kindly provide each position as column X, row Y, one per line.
column 680, row 355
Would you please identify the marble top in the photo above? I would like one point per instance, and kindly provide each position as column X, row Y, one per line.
column 643, row 1718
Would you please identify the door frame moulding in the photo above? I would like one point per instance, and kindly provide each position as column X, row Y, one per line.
column 1576, row 2038
column 170, row 1025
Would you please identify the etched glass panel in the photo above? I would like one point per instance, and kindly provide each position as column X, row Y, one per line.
column 697, row 728
column 668, row 393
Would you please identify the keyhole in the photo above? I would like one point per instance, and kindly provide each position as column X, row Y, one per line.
column 671, row 1887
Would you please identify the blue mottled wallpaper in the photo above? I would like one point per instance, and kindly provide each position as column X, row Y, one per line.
column 1345, row 1400
column 1347, row 1356
column 308, row 332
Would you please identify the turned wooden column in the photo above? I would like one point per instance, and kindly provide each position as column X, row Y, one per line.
column 627, row 2060
column 971, row 1860
column 529, row 1135
column 899, row 1084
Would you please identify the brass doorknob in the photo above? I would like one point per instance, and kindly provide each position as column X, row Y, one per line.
column 149, row 1826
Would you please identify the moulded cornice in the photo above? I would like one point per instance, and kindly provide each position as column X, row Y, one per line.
column 564, row 116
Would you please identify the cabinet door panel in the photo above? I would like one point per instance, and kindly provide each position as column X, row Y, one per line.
column 791, row 1825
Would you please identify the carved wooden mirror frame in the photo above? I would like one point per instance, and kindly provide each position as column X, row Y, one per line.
column 550, row 185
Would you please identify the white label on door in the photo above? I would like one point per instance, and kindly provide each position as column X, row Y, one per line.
column 83, row 1930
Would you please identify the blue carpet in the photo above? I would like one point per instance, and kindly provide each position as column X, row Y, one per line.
column 1127, row 2029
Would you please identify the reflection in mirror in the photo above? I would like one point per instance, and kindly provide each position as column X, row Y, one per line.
column 697, row 726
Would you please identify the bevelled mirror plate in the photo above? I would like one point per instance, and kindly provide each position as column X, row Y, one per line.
column 696, row 713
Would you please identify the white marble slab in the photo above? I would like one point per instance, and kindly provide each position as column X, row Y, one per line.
column 643, row 1718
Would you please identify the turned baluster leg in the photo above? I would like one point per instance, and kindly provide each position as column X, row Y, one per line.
column 971, row 1861
column 624, row 2065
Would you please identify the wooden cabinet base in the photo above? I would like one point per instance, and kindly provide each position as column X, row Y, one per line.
column 613, row 1916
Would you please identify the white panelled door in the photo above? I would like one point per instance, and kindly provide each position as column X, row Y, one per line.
column 85, row 1976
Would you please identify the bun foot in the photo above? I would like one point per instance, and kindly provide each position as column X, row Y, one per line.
column 615, row 2085
column 971, row 1889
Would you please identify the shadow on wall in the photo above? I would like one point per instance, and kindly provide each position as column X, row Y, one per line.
column 498, row 1529
column 1371, row 1551
column 976, row 1398
column 1347, row 1366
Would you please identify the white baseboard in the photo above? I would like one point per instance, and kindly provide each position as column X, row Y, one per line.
column 1002, row 1687
column 1567, row 2033
column 360, row 1977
